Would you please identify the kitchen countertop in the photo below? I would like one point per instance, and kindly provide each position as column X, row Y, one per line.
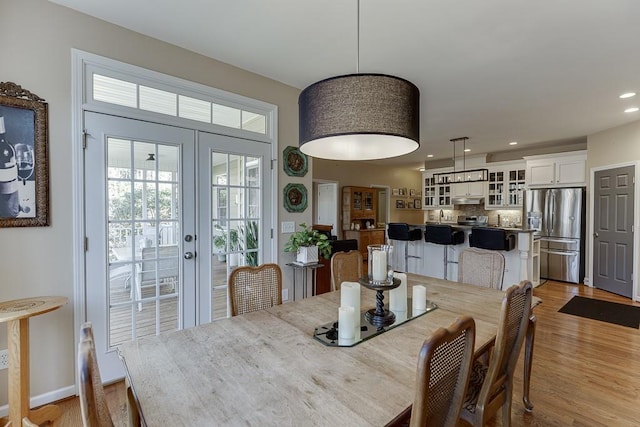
column 468, row 227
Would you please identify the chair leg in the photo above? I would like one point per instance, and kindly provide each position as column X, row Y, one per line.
column 528, row 361
column 446, row 260
column 506, row 406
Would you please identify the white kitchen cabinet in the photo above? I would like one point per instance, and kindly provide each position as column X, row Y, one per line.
column 467, row 189
column 436, row 192
column 557, row 170
column 505, row 186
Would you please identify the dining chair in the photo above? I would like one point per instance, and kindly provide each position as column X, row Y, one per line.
column 345, row 267
column 481, row 267
column 255, row 288
column 444, row 365
column 93, row 404
column 491, row 384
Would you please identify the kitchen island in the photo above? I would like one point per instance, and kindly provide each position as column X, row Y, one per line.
column 427, row 259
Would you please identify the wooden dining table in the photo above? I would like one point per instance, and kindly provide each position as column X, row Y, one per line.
column 265, row 367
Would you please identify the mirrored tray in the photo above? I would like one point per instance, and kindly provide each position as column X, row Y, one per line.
column 328, row 333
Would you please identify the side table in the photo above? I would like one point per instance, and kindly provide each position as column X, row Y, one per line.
column 314, row 267
column 17, row 313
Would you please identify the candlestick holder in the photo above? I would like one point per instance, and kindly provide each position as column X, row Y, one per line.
column 380, row 316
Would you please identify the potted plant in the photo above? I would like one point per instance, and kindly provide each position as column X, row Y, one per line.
column 220, row 242
column 307, row 244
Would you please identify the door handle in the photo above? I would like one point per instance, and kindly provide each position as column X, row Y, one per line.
column 596, row 235
column 188, row 255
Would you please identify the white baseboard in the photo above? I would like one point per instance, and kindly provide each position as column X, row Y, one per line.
column 587, row 281
column 45, row 398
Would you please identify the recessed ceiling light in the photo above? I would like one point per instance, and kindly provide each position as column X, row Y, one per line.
column 631, row 110
column 466, row 150
column 513, row 143
column 421, row 169
column 627, row 95
column 429, row 155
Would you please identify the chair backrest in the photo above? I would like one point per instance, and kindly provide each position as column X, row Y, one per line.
column 93, row 405
column 512, row 329
column 444, row 366
column 481, row 267
column 255, row 288
column 401, row 231
column 496, row 239
column 345, row 267
column 166, row 260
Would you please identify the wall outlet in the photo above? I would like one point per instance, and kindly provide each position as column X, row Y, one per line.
column 285, row 295
column 4, row 359
column 288, row 226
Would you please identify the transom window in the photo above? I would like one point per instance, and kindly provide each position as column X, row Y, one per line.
column 133, row 95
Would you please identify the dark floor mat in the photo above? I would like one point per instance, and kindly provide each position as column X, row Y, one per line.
column 605, row 311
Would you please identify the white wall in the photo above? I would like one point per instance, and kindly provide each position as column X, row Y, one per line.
column 37, row 38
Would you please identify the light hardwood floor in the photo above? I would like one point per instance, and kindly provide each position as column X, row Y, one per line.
column 585, row 372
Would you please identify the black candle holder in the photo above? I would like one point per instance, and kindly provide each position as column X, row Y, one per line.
column 380, row 316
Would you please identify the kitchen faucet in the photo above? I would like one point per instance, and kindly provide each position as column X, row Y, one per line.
column 441, row 216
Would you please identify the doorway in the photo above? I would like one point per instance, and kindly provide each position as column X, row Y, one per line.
column 613, row 237
column 154, row 261
column 325, row 205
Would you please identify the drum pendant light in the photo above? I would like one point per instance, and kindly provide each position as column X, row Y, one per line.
column 359, row 116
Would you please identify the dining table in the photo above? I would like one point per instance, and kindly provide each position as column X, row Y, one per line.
column 265, row 367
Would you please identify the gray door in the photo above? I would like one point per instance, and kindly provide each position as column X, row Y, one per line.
column 612, row 225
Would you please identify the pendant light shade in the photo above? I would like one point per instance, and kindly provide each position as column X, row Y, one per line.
column 359, row 117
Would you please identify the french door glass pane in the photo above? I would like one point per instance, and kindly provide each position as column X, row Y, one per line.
column 235, row 194
column 143, row 233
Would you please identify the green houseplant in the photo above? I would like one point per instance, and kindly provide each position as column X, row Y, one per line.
column 220, row 241
column 306, row 239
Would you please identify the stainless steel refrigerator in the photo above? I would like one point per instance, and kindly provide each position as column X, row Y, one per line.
column 558, row 215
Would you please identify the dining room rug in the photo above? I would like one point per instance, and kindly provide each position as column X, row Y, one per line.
column 605, row 311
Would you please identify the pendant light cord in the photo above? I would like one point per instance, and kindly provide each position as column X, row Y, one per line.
column 358, row 40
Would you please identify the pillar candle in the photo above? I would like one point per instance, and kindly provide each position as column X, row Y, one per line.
column 419, row 298
column 398, row 296
column 379, row 266
column 346, row 322
column 350, row 297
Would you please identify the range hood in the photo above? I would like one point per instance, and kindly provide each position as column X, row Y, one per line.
column 467, row 200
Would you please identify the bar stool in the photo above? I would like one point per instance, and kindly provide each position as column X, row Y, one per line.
column 495, row 239
column 442, row 234
column 400, row 231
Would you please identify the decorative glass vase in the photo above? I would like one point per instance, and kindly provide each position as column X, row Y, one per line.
column 380, row 264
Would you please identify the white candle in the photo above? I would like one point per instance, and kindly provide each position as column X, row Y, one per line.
column 379, row 266
column 350, row 297
column 346, row 323
column 398, row 296
column 419, row 298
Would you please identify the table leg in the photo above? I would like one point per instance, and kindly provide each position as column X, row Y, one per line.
column 528, row 360
column 314, row 279
column 19, row 392
column 294, row 284
column 18, row 340
column 304, row 283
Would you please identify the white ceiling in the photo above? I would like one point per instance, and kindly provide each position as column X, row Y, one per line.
column 493, row 70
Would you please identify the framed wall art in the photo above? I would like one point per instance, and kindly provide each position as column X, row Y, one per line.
column 295, row 161
column 24, row 160
column 295, row 197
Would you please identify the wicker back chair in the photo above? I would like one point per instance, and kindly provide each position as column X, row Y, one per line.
column 491, row 386
column 444, row 365
column 345, row 267
column 255, row 288
column 481, row 267
column 93, row 405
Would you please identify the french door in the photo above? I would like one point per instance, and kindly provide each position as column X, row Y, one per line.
column 234, row 216
column 161, row 245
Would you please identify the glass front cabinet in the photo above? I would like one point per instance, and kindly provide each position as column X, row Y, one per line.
column 506, row 186
column 436, row 193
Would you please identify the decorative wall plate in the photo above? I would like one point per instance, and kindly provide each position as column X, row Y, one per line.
column 295, row 197
column 295, row 162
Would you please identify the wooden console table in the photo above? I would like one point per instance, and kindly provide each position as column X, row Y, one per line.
column 17, row 313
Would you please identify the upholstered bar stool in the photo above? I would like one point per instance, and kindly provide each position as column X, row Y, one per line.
column 495, row 239
column 442, row 234
column 401, row 232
